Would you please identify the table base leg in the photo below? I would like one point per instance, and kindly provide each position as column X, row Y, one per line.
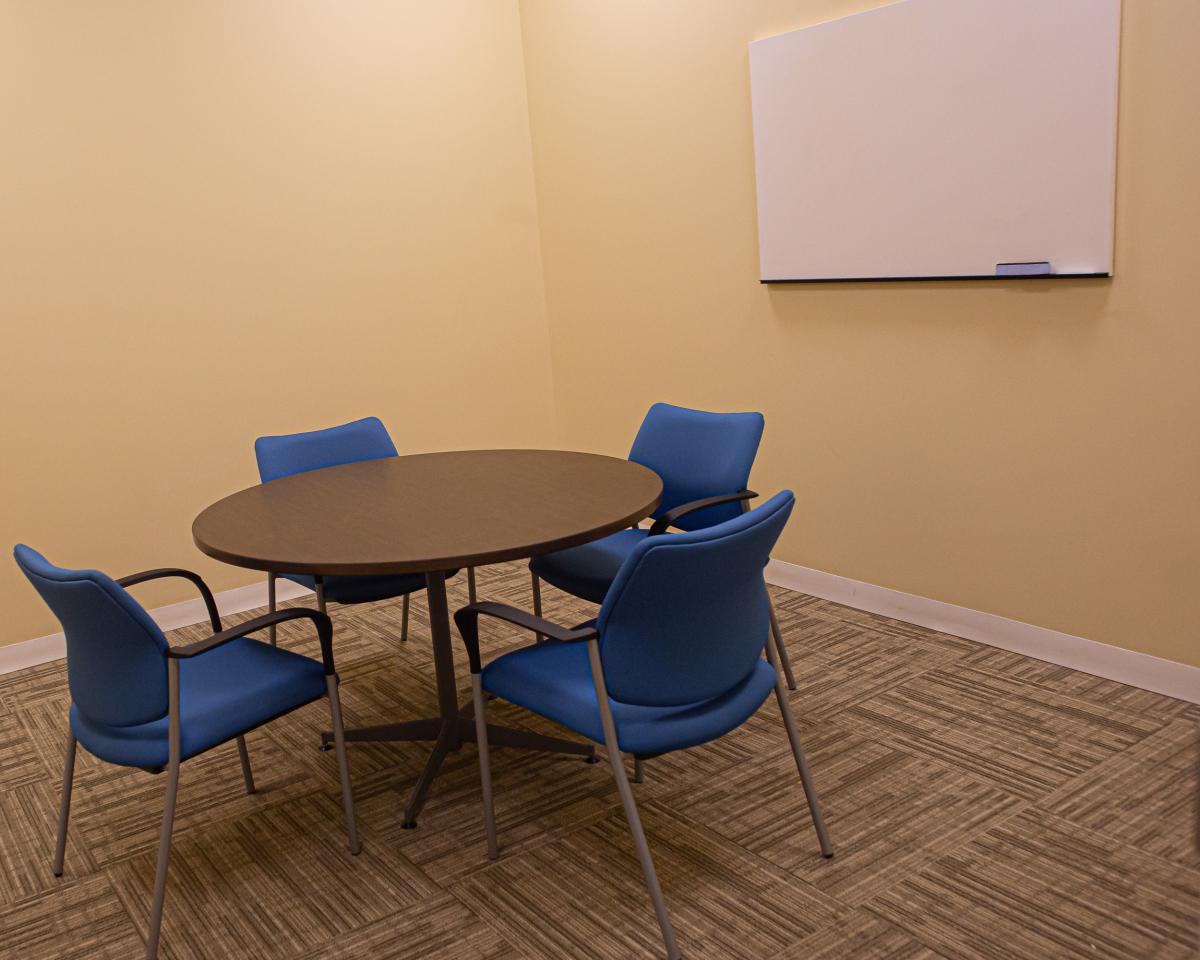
column 525, row 740
column 416, row 799
column 388, row 732
column 449, row 737
column 425, row 730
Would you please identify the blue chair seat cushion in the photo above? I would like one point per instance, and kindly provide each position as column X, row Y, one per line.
column 587, row 571
column 366, row 589
column 229, row 690
column 555, row 680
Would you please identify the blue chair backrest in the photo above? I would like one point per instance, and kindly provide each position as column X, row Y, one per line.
column 698, row 455
column 365, row 439
column 116, row 655
column 687, row 615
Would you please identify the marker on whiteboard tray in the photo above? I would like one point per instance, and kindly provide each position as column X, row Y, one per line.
column 1039, row 268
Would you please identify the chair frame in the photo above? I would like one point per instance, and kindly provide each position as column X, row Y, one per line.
column 174, row 655
column 467, row 620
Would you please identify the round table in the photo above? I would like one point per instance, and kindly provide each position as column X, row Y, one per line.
column 429, row 513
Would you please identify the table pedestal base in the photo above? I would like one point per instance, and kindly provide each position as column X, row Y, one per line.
column 456, row 725
column 450, row 737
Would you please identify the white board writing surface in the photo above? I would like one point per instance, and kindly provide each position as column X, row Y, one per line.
column 938, row 138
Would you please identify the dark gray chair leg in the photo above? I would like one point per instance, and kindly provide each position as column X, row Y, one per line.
column 639, row 773
column 64, row 812
column 789, row 722
column 271, row 603
column 339, row 740
column 164, row 843
column 471, row 584
column 404, row 620
column 537, row 601
column 485, row 765
column 320, row 588
column 784, row 660
column 247, row 773
column 631, row 814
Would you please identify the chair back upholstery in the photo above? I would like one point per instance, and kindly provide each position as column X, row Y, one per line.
column 687, row 615
column 116, row 662
column 282, row 456
column 698, row 455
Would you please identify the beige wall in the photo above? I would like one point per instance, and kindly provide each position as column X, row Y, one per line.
column 220, row 219
column 1030, row 450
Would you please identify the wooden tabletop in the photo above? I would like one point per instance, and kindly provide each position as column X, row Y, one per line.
column 427, row 512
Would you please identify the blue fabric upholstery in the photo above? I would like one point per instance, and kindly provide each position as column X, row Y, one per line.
column 117, row 673
column 554, row 680
column 588, row 570
column 227, row 691
column 682, row 632
column 364, row 589
column 116, row 670
column 697, row 455
column 282, row 456
column 691, row 608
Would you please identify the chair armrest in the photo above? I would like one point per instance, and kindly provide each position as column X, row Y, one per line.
column 209, row 602
column 322, row 622
column 668, row 519
column 467, row 621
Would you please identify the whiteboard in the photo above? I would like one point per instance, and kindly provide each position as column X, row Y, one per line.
column 936, row 139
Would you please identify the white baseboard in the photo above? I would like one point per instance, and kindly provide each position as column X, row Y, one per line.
column 30, row 653
column 1178, row 680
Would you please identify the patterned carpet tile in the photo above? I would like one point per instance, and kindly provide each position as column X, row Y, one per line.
column 449, row 843
column 439, row 928
column 116, row 811
column 1039, row 886
column 1146, row 796
column 23, row 687
column 983, row 805
column 1072, row 683
column 81, row 920
column 724, row 901
column 1026, row 739
column 874, row 622
column 28, row 818
column 888, row 812
column 861, row 935
column 831, row 680
column 19, row 761
column 272, row 884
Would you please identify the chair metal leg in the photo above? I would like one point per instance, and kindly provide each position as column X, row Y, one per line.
column 485, row 765
column 320, row 587
column 404, row 619
column 639, row 773
column 631, row 814
column 784, row 660
column 537, row 601
column 471, row 584
column 339, row 740
column 164, row 842
column 271, row 604
column 64, row 813
column 789, row 722
column 247, row 773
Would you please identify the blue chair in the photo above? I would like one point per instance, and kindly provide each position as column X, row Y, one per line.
column 365, row 439
column 137, row 702
column 704, row 460
column 674, row 660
